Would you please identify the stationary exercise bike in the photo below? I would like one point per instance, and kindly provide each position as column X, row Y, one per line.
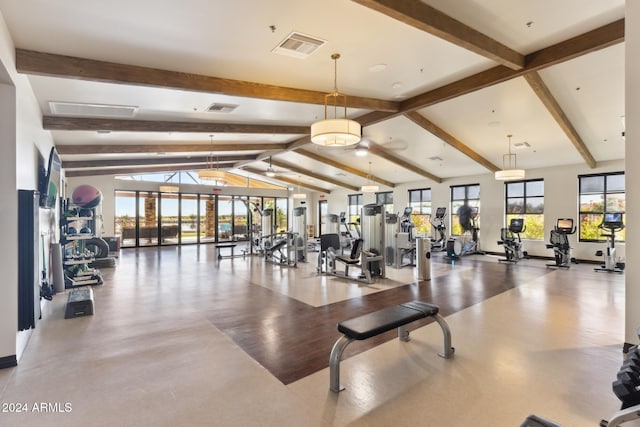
column 438, row 223
column 510, row 239
column 468, row 219
column 559, row 242
column 612, row 222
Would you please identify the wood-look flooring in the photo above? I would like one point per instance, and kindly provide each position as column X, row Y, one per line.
column 290, row 338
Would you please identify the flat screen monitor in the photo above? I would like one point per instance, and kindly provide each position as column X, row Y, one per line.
column 516, row 225
column 440, row 212
column 564, row 224
column 50, row 181
column 612, row 218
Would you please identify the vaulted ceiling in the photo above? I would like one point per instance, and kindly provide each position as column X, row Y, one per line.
column 127, row 87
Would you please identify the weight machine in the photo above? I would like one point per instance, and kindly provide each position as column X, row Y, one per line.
column 510, row 239
column 299, row 229
column 559, row 242
column 281, row 248
column 612, row 222
column 333, row 223
column 367, row 252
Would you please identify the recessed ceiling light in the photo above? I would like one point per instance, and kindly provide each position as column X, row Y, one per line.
column 377, row 68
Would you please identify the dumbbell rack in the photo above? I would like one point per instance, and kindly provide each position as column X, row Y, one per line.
column 76, row 259
column 627, row 388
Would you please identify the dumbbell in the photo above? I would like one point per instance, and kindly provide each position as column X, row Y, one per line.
column 632, row 364
column 626, row 392
column 623, row 390
column 628, row 376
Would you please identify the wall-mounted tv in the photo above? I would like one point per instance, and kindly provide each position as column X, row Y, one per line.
column 50, row 181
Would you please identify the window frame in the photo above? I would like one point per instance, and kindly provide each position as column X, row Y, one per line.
column 621, row 235
column 525, row 214
column 421, row 216
column 354, row 210
column 453, row 215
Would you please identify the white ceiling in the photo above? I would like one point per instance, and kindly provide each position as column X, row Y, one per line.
column 233, row 40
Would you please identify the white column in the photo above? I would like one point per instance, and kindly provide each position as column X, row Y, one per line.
column 9, row 215
column 632, row 171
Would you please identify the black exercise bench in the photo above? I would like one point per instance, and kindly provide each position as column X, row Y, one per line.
column 220, row 246
column 372, row 324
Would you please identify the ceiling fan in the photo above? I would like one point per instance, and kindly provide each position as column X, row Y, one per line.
column 362, row 148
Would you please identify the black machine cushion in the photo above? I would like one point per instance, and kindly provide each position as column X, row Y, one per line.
column 372, row 324
column 329, row 241
column 354, row 258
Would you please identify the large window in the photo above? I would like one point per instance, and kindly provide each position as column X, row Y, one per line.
column 420, row 203
column 282, row 218
column 188, row 218
column 150, row 218
column 169, row 218
column 385, row 199
column 125, row 217
column 355, row 207
column 464, row 195
column 207, row 218
column 599, row 194
column 525, row 199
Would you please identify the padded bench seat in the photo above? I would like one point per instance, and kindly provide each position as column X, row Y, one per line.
column 220, row 246
column 378, row 322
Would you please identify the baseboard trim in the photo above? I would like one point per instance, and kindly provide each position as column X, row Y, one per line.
column 8, row 361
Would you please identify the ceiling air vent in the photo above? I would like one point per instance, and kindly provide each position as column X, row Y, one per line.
column 91, row 110
column 521, row 145
column 217, row 107
column 298, row 45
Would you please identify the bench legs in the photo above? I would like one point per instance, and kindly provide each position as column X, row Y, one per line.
column 403, row 335
column 334, row 363
column 446, row 332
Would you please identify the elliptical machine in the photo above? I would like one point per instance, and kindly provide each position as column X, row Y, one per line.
column 405, row 240
column 468, row 219
column 559, row 242
column 612, row 222
column 510, row 239
column 439, row 225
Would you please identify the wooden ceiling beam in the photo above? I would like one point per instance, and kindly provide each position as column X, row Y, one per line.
column 600, row 38
column 543, row 92
column 431, row 127
column 290, row 181
column 428, row 19
column 342, row 166
column 385, row 154
column 162, row 148
column 128, row 170
column 48, row 64
column 199, row 160
column 95, row 124
column 314, row 175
